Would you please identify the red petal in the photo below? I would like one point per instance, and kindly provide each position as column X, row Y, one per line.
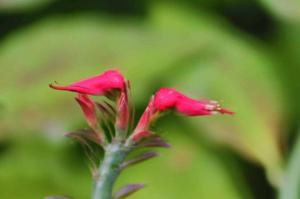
column 97, row 85
column 88, row 108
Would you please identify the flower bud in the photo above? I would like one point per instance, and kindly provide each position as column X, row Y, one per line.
column 123, row 113
column 168, row 98
column 98, row 85
column 89, row 109
column 142, row 128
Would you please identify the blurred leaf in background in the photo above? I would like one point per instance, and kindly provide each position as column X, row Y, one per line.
column 286, row 45
column 67, row 47
column 225, row 68
column 288, row 10
column 22, row 5
column 189, row 169
column 193, row 48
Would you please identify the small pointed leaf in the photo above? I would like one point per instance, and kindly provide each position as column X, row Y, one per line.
column 106, row 108
column 154, row 141
column 84, row 135
column 127, row 190
column 138, row 159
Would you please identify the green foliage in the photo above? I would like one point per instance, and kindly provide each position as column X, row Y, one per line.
column 194, row 50
column 187, row 169
column 287, row 10
column 33, row 167
column 21, row 5
column 226, row 72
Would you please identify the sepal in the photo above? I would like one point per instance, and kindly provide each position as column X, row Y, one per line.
column 138, row 159
column 128, row 190
column 154, row 141
column 85, row 135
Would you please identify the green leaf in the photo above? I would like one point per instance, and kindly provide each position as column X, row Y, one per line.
column 127, row 190
column 138, row 159
column 22, row 5
column 189, row 169
column 288, row 10
column 238, row 74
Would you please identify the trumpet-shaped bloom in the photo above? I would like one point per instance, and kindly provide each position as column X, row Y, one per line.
column 112, row 81
column 169, row 98
column 98, row 85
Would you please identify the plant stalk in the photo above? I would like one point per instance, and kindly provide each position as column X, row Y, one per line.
column 109, row 169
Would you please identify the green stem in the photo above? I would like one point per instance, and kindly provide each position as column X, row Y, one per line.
column 115, row 154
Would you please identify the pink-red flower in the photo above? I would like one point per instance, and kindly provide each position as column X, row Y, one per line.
column 98, row 85
column 112, row 82
column 170, row 99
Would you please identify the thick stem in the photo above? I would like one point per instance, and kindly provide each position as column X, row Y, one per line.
column 109, row 170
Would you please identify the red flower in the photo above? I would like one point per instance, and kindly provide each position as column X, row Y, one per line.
column 168, row 98
column 89, row 109
column 97, row 85
column 165, row 98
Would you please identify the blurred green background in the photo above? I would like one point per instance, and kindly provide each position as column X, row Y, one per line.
column 242, row 53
